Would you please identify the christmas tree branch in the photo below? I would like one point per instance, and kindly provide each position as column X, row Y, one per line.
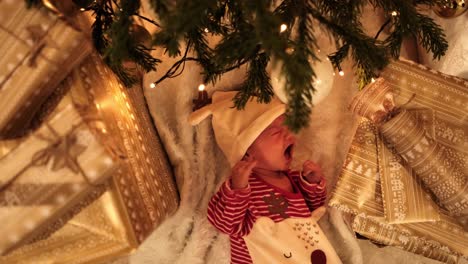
column 248, row 32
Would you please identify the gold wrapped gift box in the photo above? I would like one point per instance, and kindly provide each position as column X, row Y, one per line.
column 38, row 52
column 383, row 187
column 138, row 197
column 51, row 169
column 97, row 233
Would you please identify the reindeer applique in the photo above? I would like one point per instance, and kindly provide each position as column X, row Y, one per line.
column 277, row 204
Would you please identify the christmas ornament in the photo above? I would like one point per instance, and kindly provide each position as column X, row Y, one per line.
column 450, row 9
column 322, row 83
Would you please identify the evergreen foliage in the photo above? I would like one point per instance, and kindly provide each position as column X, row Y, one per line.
column 249, row 34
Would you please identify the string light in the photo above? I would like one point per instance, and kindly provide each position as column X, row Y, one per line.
column 201, row 87
column 82, row 9
column 373, row 80
column 206, row 30
column 283, row 27
column 341, row 73
column 152, row 85
column 394, row 13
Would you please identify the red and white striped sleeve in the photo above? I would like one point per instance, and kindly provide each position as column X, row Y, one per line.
column 315, row 194
column 228, row 210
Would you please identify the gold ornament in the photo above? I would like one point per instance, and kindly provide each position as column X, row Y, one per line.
column 451, row 8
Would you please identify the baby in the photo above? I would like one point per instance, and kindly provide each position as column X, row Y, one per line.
column 265, row 207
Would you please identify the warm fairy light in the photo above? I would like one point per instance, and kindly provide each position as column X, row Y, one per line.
column 373, row 80
column 206, row 30
column 98, row 106
column 82, row 9
column 394, row 13
column 201, row 87
column 341, row 73
column 152, row 85
column 283, row 28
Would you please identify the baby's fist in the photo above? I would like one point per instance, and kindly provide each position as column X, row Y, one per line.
column 241, row 172
column 312, row 172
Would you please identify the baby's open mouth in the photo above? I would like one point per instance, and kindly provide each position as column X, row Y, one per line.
column 288, row 152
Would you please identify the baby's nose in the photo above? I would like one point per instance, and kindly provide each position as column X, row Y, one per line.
column 288, row 135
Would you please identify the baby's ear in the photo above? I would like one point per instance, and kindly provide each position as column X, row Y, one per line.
column 319, row 212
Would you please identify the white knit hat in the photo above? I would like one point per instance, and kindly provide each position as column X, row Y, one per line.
column 235, row 130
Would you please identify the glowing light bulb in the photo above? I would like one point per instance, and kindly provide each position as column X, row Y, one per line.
column 341, row 73
column 373, row 80
column 394, row 13
column 201, row 87
column 283, row 27
column 152, row 85
column 206, row 30
column 82, row 9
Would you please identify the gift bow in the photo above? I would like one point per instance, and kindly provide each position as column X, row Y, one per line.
column 376, row 102
column 63, row 153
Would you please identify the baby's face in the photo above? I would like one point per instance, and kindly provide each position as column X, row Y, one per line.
column 273, row 148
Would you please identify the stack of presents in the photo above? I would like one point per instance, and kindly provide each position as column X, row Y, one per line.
column 84, row 176
column 404, row 180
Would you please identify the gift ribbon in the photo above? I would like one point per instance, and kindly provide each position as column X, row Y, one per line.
column 62, row 152
column 38, row 38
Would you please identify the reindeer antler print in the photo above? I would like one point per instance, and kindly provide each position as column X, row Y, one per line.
column 277, row 204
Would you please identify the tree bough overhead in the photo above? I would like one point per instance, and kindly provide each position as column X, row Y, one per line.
column 249, row 33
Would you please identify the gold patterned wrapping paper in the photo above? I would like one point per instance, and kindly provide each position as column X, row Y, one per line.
column 146, row 182
column 402, row 237
column 38, row 52
column 359, row 191
column 49, row 171
column 405, row 198
column 98, row 233
column 439, row 155
column 359, row 187
column 438, row 167
column 395, row 195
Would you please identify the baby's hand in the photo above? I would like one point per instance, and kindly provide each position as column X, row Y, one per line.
column 241, row 172
column 312, row 172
